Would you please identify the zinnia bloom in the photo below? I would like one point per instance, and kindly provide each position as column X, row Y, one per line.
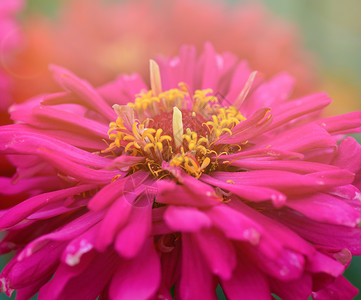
column 209, row 176
column 106, row 38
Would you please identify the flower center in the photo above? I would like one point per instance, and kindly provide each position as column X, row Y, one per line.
column 174, row 128
column 191, row 120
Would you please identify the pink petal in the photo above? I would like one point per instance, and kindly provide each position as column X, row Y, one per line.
column 58, row 208
column 192, row 184
column 35, row 267
column 267, row 153
column 122, row 90
column 123, row 162
column 313, row 137
column 287, row 265
column 171, row 193
column 239, row 80
column 20, row 139
column 20, row 235
column 81, row 244
column 298, row 289
column 131, row 238
column 110, row 192
column 218, row 252
column 244, row 93
column 321, row 263
column 62, row 119
column 342, row 124
column 349, row 147
column 84, row 90
column 80, row 172
column 65, row 119
column 270, row 93
column 196, row 280
column 40, row 183
column 186, row 219
column 29, row 206
column 73, row 282
column 137, row 278
column 116, row 217
column 90, row 143
column 327, row 209
column 323, row 234
column 70, row 231
column 248, row 281
column 59, row 98
column 339, row 289
column 290, row 166
column 347, row 192
column 171, row 265
column 210, row 68
column 29, row 291
column 302, row 107
column 180, row 69
column 235, row 225
column 250, row 192
column 275, row 237
column 288, row 182
column 343, row 256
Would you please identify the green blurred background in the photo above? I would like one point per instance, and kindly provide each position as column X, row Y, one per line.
column 331, row 30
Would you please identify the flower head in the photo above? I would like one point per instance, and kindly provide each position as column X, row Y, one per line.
column 193, row 140
column 208, row 176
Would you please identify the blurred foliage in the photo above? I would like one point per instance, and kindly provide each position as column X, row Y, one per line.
column 42, row 6
column 353, row 273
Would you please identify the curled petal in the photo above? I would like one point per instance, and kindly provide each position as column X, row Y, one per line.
column 82, row 89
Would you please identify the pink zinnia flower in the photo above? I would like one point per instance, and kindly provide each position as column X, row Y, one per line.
column 105, row 38
column 208, row 176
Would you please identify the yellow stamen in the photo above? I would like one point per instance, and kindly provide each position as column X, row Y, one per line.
column 227, row 130
column 205, row 163
column 148, row 146
column 129, row 138
column 159, row 146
